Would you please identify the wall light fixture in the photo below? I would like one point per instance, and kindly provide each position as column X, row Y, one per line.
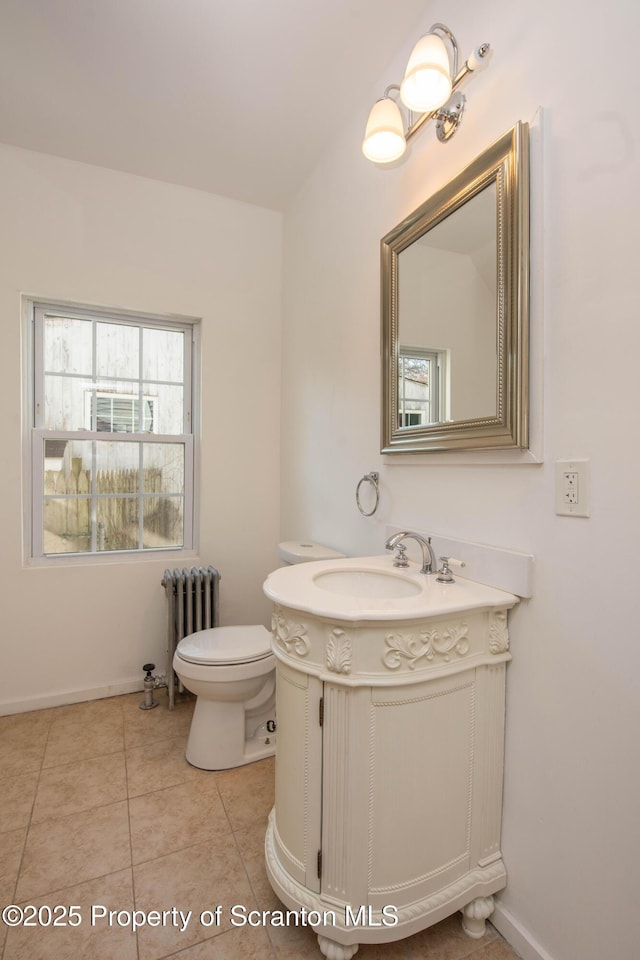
column 428, row 91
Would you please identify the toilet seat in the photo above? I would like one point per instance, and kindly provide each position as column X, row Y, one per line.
column 226, row 645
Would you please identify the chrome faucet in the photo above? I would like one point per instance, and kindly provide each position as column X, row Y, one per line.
column 429, row 562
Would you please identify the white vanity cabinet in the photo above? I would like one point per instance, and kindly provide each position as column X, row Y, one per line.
column 388, row 770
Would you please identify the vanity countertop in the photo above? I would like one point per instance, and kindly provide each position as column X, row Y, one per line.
column 371, row 588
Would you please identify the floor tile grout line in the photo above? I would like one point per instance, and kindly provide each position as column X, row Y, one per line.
column 51, row 893
column 151, row 743
column 29, row 822
column 272, row 945
column 98, row 722
column 189, row 846
column 70, row 763
column 212, row 940
column 244, row 866
column 126, row 787
column 135, row 902
column 76, row 813
column 171, row 786
column 475, row 946
column 97, row 756
column 17, row 776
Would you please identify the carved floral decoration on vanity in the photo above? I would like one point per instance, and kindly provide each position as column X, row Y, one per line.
column 498, row 633
column 409, row 649
column 339, row 652
column 290, row 635
column 442, row 644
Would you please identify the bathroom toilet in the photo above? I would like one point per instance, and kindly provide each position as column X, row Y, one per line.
column 232, row 672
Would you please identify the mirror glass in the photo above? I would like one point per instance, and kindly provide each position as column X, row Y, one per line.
column 454, row 311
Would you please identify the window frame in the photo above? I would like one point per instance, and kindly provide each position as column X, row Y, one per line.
column 34, row 310
column 437, row 402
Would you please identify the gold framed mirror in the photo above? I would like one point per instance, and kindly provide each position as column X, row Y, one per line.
column 455, row 311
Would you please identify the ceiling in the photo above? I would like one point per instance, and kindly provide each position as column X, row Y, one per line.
column 236, row 97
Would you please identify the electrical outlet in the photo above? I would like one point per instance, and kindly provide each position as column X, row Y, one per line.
column 572, row 488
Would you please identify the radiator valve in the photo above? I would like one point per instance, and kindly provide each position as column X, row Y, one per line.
column 149, row 685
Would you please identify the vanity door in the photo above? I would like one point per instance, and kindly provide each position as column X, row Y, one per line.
column 412, row 779
column 420, row 787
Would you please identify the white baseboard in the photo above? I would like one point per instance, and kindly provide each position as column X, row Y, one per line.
column 517, row 936
column 70, row 696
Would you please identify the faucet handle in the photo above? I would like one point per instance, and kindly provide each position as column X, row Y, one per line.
column 444, row 573
column 400, row 559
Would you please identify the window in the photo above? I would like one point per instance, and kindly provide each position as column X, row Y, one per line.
column 411, row 418
column 421, row 376
column 112, row 444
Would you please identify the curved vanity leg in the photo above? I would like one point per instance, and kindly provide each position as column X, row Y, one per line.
column 474, row 916
column 336, row 951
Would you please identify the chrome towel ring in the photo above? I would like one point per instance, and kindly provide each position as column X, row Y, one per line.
column 371, row 478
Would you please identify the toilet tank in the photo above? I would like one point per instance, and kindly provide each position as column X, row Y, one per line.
column 302, row 551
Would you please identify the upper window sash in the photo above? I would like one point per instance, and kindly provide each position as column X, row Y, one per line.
column 41, row 311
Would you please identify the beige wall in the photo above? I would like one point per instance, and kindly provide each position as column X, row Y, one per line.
column 572, row 789
column 78, row 233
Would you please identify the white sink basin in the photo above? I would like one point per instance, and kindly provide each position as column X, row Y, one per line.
column 371, row 588
column 367, row 583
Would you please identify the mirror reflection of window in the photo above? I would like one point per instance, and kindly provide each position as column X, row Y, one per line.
column 421, row 386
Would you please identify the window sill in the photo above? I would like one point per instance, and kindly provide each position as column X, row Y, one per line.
column 163, row 558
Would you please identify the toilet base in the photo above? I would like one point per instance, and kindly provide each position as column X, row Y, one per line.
column 217, row 737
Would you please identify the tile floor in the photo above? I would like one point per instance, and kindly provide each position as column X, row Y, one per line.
column 100, row 810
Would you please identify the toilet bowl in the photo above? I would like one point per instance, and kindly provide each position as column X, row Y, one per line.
column 231, row 670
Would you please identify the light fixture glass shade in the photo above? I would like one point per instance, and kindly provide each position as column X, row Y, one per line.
column 384, row 138
column 427, row 79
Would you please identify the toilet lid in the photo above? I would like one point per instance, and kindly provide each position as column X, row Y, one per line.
column 226, row 645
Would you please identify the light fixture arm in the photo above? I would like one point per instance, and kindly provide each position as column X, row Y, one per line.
column 441, row 28
column 392, row 117
column 410, row 115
